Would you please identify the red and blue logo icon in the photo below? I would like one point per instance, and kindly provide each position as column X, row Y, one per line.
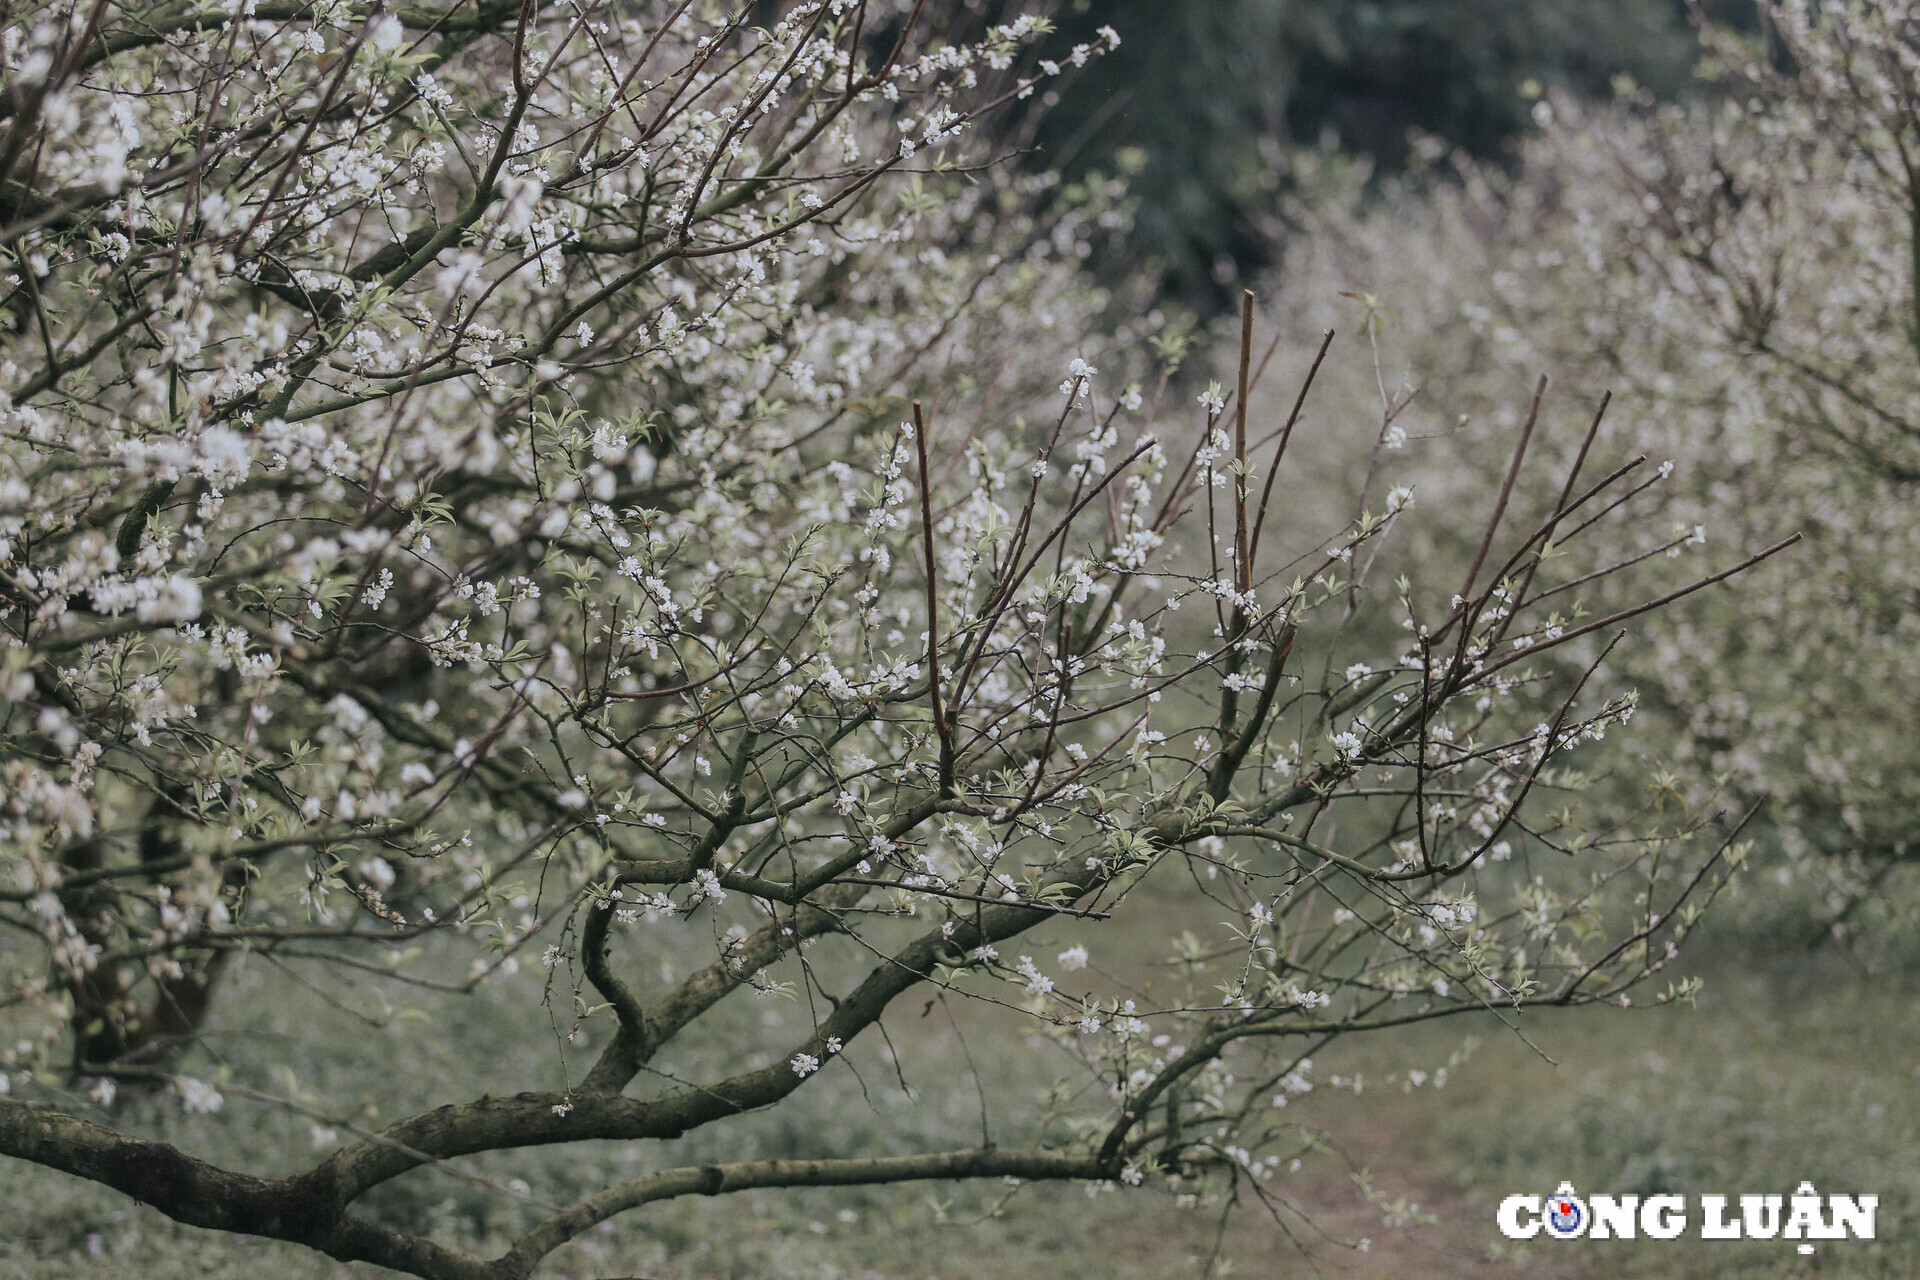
column 1566, row 1213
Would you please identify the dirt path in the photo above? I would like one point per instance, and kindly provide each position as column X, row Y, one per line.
column 1160, row 1241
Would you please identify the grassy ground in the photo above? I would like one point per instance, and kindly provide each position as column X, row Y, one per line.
column 1783, row 1073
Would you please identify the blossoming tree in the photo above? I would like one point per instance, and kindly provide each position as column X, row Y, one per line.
column 1740, row 271
column 487, row 482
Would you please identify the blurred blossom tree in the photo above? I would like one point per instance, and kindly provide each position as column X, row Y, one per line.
column 1205, row 100
column 467, row 498
column 1742, row 274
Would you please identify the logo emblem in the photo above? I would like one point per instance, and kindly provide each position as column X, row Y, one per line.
column 1566, row 1213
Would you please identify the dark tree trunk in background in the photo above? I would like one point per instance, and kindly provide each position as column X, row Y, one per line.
column 1196, row 100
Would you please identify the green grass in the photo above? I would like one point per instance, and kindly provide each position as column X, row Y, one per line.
column 1792, row 1067
column 1786, row 1072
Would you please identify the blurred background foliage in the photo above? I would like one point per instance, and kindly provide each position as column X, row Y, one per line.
column 1202, row 101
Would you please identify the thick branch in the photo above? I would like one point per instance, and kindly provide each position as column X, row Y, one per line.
column 303, row 1209
column 718, row 1179
column 536, row 1119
